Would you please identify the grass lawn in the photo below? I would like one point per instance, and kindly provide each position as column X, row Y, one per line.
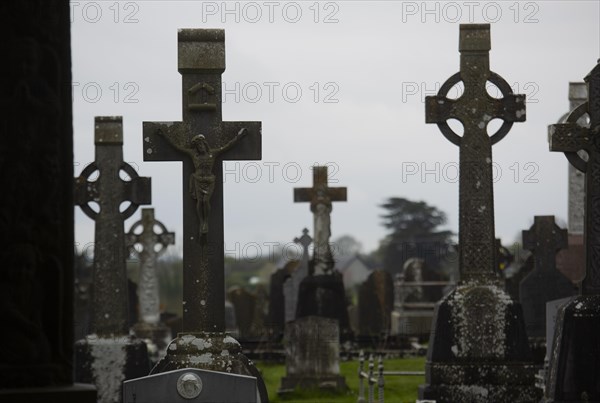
column 398, row 389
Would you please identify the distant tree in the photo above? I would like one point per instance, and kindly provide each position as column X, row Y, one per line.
column 414, row 232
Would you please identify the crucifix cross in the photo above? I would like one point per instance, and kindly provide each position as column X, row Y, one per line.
column 109, row 191
column 321, row 197
column 475, row 109
column 202, row 141
column 144, row 234
column 571, row 137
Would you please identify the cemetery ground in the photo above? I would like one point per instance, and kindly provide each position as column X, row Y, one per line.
column 398, row 389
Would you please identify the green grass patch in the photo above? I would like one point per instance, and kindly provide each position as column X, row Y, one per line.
column 398, row 389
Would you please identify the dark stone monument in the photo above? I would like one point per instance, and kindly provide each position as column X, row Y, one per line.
column 375, row 304
column 312, row 355
column 312, row 340
column 244, row 304
column 574, row 371
column 544, row 283
column 478, row 349
column 197, row 385
column 570, row 261
column 277, row 302
column 109, row 355
column 292, row 285
column 202, row 141
column 36, row 206
column 322, row 293
column 143, row 235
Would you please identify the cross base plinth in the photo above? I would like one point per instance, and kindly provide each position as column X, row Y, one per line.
column 214, row 351
column 574, row 369
column 108, row 361
column 478, row 350
column 156, row 336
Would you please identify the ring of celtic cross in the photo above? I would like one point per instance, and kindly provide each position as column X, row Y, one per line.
column 495, row 79
column 574, row 158
column 163, row 242
column 89, row 170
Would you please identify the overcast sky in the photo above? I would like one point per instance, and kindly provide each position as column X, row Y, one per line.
column 339, row 83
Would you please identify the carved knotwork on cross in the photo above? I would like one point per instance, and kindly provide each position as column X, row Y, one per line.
column 475, row 109
column 109, row 191
column 143, row 233
column 571, row 137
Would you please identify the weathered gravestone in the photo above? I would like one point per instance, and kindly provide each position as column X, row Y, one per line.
column 574, row 371
column 478, row 350
column 110, row 355
column 375, row 304
column 570, row 261
column 202, row 141
column 322, row 293
column 292, row 285
column 190, row 384
column 36, row 206
column 413, row 311
column 312, row 352
column 277, row 302
column 143, row 235
column 544, row 283
column 248, row 320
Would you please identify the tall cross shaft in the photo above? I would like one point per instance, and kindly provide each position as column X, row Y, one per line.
column 202, row 141
column 577, row 96
column 109, row 191
column 321, row 197
column 571, row 137
column 149, row 239
column 475, row 109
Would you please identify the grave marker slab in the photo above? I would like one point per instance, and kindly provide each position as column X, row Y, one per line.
column 143, row 234
column 574, row 373
column 478, row 349
column 191, row 384
column 312, row 355
column 110, row 355
column 202, row 141
column 544, row 283
column 375, row 304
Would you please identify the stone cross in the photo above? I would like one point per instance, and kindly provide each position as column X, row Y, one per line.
column 573, row 371
column 474, row 109
column 477, row 325
column 577, row 96
column 143, row 233
column 292, row 285
column 321, row 197
column 545, row 283
column 305, row 240
column 202, row 142
column 571, row 137
column 109, row 191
